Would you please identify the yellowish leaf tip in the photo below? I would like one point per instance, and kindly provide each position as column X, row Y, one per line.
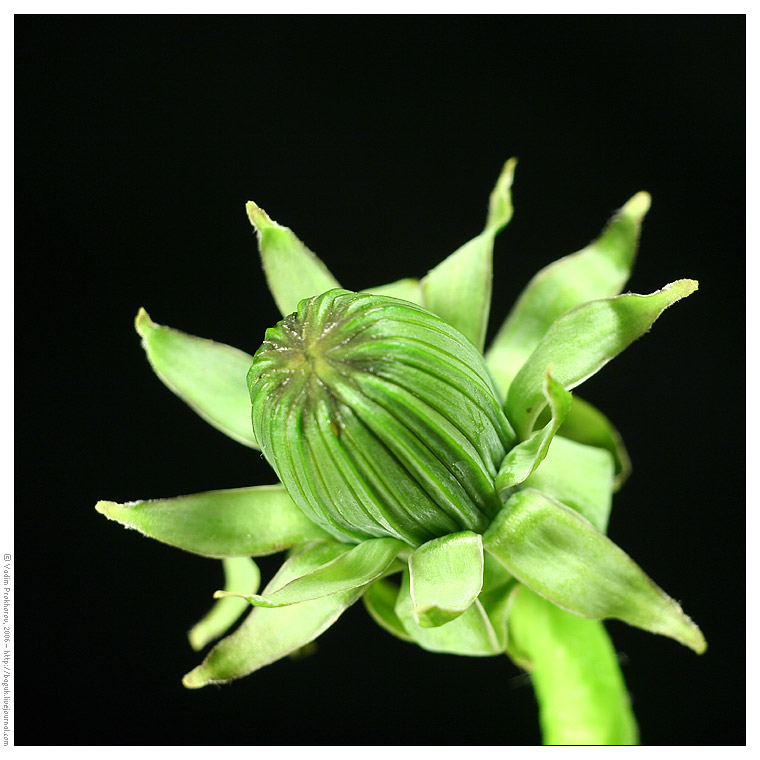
column 252, row 598
column 508, row 171
column 500, row 200
column 198, row 677
column 258, row 217
column 699, row 645
column 638, row 205
column 507, row 175
column 684, row 287
column 106, row 508
column 118, row 512
column 193, row 681
column 143, row 322
column 196, row 640
column 690, row 635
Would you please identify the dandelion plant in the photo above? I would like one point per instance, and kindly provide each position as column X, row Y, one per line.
column 461, row 494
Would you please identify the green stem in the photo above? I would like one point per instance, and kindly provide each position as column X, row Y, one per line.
column 575, row 672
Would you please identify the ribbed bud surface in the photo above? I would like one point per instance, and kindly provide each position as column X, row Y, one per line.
column 379, row 418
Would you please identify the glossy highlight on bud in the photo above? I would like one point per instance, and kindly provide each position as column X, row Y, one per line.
column 379, row 418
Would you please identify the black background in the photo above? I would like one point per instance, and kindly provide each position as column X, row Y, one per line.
column 377, row 139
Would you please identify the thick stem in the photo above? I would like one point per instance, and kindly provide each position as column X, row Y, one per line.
column 575, row 672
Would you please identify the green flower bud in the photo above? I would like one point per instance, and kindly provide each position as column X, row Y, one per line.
column 379, row 418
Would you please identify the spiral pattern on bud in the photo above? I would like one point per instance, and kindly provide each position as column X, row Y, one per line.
column 379, row 418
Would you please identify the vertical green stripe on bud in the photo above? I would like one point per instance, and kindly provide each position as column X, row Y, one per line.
column 380, row 418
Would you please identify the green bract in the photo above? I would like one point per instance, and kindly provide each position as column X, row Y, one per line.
column 464, row 497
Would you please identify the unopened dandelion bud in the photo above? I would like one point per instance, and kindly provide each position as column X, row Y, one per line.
column 379, row 418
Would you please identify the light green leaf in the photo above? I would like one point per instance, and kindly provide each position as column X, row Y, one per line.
column 238, row 522
column 445, row 577
column 494, row 573
column 600, row 270
column 564, row 558
column 459, row 288
column 471, row 634
column 267, row 634
column 380, row 602
column 524, row 458
column 407, row 289
column 586, row 424
column 581, row 342
column 210, row 377
column 240, row 574
column 575, row 673
column 357, row 567
column 579, row 476
column 293, row 272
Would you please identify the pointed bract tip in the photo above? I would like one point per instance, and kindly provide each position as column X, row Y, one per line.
column 639, row 204
column 143, row 322
column 500, row 200
column 684, row 287
column 507, row 174
column 258, row 217
column 193, row 680
column 196, row 640
column 690, row 635
column 106, row 508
